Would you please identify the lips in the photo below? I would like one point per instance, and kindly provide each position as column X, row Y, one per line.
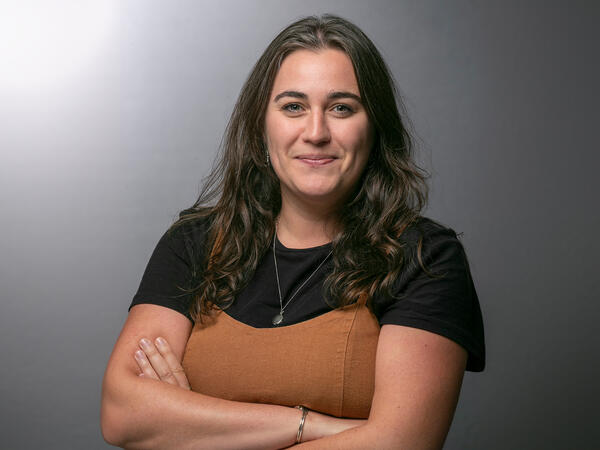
column 316, row 160
column 319, row 159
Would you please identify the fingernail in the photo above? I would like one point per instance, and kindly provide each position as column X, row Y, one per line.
column 160, row 341
column 145, row 343
column 139, row 354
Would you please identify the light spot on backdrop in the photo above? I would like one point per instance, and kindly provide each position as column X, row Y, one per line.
column 52, row 56
column 46, row 44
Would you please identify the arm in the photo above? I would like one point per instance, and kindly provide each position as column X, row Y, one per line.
column 418, row 377
column 145, row 413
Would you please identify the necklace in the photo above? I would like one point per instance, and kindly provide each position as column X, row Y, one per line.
column 279, row 317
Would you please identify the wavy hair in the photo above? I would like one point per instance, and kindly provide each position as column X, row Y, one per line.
column 242, row 196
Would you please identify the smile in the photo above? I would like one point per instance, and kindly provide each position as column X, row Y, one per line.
column 316, row 160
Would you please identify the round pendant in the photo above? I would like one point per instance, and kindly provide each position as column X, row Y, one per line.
column 278, row 319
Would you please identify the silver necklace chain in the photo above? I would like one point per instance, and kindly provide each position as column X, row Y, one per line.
column 279, row 317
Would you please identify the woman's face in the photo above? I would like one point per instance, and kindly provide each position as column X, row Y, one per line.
column 318, row 133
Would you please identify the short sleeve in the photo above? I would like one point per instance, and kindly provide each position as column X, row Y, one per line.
column 441, row 299
column 171, row 272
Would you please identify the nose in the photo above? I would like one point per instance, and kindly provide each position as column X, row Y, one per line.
column 316, row 130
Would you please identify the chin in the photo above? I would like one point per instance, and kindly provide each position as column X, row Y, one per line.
column 318, row 193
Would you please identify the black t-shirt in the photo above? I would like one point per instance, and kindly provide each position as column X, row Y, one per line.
column 445, row 303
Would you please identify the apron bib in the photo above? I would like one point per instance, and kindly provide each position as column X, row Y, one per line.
column 326, row 363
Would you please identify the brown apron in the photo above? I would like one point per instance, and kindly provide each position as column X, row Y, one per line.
column 326, row 363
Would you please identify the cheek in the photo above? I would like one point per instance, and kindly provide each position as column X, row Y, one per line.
column 279, row 133
column 359, row 139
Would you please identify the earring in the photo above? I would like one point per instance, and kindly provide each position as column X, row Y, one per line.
column 268, row 159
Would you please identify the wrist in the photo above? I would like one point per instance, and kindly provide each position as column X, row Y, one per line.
column 305, row 412
column 318, row 425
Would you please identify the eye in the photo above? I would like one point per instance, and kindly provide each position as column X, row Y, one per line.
column 344, row 110
column 292, row 107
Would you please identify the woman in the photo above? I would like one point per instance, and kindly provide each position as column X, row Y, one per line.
column 303, row 276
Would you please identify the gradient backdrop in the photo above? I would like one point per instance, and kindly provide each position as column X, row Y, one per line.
column 111, row 113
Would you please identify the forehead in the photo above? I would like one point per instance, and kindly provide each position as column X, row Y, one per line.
column 316, row 72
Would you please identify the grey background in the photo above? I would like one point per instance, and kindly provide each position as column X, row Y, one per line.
column 503, row 96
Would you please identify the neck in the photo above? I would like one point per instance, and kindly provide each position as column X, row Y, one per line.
column 304, row 226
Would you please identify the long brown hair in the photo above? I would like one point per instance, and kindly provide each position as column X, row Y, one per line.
column 241, row 196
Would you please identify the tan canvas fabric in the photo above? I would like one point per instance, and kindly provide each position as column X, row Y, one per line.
column 326, row 363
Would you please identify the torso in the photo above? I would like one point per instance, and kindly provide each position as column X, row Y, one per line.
column 326, row 363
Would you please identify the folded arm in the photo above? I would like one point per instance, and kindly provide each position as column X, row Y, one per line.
column 418, row 377
column 141, row 412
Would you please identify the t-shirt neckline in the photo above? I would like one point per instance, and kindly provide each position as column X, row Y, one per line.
column 280, row 247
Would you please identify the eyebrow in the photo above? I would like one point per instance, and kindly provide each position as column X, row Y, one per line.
column 331, row 96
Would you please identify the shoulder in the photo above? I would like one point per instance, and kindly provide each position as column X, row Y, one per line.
column 188, row 235
column 435, row 291
column 428, row 242
column 427, row 231
column 191, row 224
column 175, row 265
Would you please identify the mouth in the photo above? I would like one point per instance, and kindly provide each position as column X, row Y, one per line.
column 316, row 160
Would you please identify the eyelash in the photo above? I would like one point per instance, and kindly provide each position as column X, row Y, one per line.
column 347, row 110
column 286, row 107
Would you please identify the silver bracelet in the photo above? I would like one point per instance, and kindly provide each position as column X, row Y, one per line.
column 301, row 426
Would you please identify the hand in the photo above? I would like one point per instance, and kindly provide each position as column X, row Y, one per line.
column 160, row 363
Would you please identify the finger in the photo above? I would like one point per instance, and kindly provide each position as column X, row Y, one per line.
column 144, row 365
column 173, row 362
column 159, row 364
